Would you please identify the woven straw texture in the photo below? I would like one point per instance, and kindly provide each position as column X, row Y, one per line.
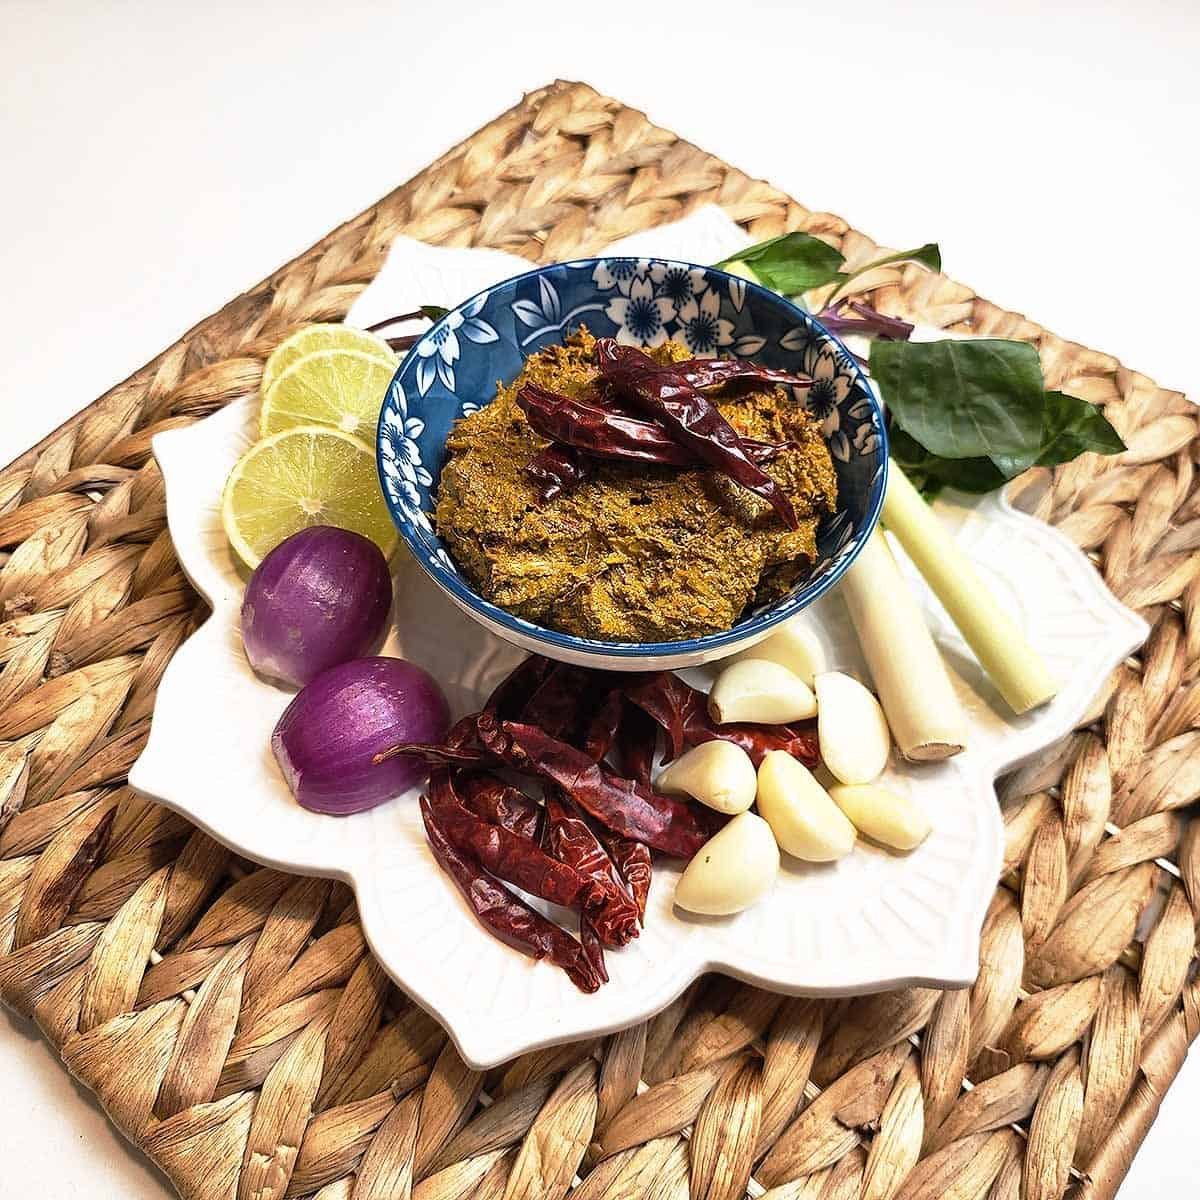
column 233, row 1023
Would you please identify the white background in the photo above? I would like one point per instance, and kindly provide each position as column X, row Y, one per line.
column 159, row 158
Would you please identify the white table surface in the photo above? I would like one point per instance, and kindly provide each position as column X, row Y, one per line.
column 160, row 158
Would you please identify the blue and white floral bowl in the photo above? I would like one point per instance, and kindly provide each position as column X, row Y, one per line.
column 643, row 302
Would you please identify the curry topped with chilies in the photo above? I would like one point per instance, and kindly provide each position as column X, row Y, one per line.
column 639, row 496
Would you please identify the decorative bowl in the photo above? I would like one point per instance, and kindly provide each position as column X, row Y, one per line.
column 453, row 371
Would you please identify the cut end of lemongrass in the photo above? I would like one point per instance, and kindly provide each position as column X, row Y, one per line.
column 1013, row 665
column 1028, row 686
column 931, row 751
column 923, row 712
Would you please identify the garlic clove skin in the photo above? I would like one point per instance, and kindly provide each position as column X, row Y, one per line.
column 805, row 821
column 794, row 646
column 851, row 728
column 732, row 870
column 761, row 692
column 716, row 773
column 883, row 815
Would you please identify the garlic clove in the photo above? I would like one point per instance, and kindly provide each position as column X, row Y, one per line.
column 795, row 646
column 851, row 728
column 760, row 691
column 805, row 821
column 716, row 773
column 732, row 870
column 883, row 815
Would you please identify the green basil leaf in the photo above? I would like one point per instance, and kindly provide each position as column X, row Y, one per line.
column 1071, row 426
column 907, row 451
column 928, row 255
column 975, row 475
column 975, row 399
column 791, row 263
column 434, row 312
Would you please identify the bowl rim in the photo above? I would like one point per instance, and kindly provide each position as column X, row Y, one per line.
column 553, row 639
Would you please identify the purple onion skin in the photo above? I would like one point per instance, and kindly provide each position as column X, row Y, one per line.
column 321, row 597
column 327, row 737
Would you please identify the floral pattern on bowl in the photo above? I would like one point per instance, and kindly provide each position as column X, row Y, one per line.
column 641, row 301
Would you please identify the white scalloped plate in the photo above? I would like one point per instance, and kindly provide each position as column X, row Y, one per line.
column 871, row 922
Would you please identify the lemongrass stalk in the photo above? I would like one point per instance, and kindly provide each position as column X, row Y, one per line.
column 1013, row 665
column 924, row 714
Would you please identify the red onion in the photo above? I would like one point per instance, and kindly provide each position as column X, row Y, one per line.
column 320, row 597
column 327, row 738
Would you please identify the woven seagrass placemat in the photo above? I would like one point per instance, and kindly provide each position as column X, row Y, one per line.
column 230, row 1018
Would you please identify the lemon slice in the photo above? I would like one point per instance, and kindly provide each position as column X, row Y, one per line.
column 322, row 337
column 305, row 476
column 343, row 389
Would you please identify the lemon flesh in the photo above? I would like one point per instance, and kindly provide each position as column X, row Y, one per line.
column 342, row 389
column 298, row 477
column 312, row 338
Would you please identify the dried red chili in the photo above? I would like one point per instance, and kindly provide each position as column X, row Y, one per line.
column 605, row 725
column 682, row 712
column 593, row 948
column 623, row 805
column 691, row 418
column 799, row 740
column 508, row 700
column 557, row 469
column 624, row 728
column 509, row 918
column 438, row 754
column 512, row 693
column 715, row 372
column 637, row 741
column 562, row 704
column 670, row 702
column 500, row 803
column 594, row 428
column 571, row 841
column 633, row 860
column 510, row 856
column 598, row 431
column 764, row 452
column 455, row 750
